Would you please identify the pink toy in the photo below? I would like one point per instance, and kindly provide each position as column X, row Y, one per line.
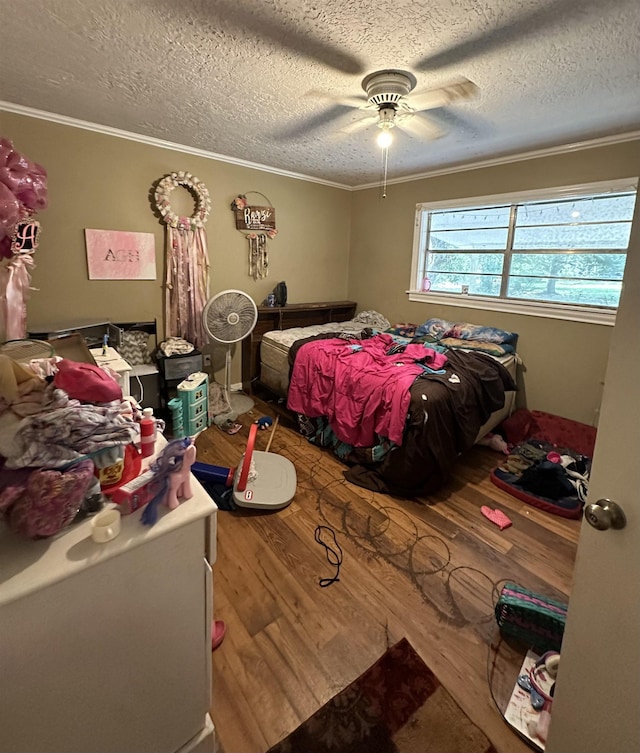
column 180, row 480
column 171, row 471
column 496, row 516
column 168, row 480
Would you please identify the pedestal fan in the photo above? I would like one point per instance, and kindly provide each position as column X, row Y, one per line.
column 228, row 318
column 26, row 350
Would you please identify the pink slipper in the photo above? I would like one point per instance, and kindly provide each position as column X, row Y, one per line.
column 496, row 516
column 218, row 631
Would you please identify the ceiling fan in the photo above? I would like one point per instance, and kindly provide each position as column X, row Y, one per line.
column 390, row 93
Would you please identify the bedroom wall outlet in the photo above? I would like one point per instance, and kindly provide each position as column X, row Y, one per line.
column 206, row 359
column 464, row 289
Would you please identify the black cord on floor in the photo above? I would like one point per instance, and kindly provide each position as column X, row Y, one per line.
column 334, row 554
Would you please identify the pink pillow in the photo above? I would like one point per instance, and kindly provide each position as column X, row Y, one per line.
column 51, row 500
column 86, row 382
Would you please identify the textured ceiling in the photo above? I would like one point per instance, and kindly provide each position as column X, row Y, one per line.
column 243, row 78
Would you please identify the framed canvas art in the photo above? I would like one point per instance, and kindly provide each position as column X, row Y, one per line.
column 120, row 255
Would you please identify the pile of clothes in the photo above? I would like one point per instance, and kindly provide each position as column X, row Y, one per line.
column 549, row 461
column 60, row 420
column 539, row 468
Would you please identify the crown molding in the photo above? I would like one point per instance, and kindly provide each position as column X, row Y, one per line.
column 151, row 141
column 550, row 151
column 459, row 168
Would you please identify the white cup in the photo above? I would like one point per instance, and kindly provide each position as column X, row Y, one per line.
column 105, row 526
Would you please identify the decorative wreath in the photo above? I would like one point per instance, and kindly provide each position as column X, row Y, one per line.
column 197, row 189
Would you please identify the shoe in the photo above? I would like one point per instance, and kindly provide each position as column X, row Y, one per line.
column 230, row 427
column 218, row 631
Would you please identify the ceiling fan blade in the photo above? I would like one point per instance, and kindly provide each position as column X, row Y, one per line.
column 419, row 126
column 308, row 125
column 261, row 22
column 359, row 125
column 472, row 126
column 359, row 102
column 543, row 17
column 444, row 95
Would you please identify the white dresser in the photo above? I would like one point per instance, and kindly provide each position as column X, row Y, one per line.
column 106, row 648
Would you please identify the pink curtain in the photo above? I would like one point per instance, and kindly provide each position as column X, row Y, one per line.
column 187, row 283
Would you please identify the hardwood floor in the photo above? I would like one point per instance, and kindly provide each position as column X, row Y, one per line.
column 429, row 569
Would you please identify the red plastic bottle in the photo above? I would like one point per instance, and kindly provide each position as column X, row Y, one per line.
column 147, row 436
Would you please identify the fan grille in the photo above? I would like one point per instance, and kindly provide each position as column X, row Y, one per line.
column 229, row 316
column 385, row 99
column 25, row 350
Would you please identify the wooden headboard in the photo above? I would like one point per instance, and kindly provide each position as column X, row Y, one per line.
column 285, row 317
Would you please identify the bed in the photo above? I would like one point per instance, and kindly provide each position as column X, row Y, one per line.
column 446, row 408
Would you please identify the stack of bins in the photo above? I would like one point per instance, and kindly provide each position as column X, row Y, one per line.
column 193, row 393
column 177, row 422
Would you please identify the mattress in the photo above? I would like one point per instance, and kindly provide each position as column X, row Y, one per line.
column 274, row 363
column 274, row 351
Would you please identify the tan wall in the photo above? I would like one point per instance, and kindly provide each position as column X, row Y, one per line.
column 102, row 181
column 564, row 362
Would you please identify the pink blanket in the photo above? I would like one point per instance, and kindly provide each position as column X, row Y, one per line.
column 361, row 389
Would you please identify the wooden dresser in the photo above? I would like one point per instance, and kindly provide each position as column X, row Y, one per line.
column 285, row 317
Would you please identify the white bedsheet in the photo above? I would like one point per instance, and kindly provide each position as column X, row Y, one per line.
column 274, row 350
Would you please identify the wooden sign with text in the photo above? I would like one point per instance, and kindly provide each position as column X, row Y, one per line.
column 256, row 218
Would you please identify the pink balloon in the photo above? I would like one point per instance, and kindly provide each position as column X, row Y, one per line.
column 33, row 191
column 26, row 180
column 14, row 171
column 6, row 147
column 5, row 247
column 9, row 208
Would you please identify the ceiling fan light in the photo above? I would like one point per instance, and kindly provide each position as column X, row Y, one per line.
column 384, row 139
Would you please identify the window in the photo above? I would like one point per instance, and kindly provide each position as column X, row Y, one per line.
column 563, row 249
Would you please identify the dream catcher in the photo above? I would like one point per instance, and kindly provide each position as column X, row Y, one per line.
column 258, row 257
column 187, row 269
column 259, row 224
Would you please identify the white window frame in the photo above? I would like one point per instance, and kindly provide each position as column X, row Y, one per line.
column 572, row 312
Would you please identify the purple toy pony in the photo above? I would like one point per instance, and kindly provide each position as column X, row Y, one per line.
column 172, row 469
